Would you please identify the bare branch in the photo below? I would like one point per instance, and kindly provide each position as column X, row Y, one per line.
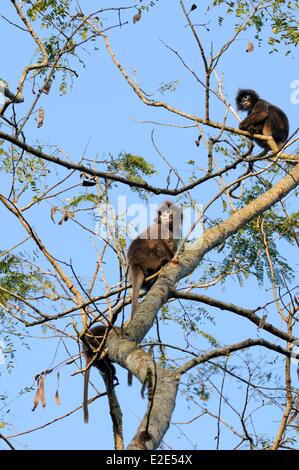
column 248, row 343
column 243, row 312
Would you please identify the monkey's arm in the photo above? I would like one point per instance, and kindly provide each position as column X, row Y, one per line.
column 259, row 113
column 171, row 247
column 253, row 119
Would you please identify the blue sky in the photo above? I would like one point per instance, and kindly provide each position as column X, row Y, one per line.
column 100, row 112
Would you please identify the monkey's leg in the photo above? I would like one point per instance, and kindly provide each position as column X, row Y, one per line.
column 267, row 129
column 137, row 278
column 85, row 395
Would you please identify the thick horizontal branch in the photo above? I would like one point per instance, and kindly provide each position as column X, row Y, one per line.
column 114, row 177
column 225, row 351
column 243, row 312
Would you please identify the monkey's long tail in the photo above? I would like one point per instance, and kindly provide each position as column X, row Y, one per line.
column 130, row 378
column 85, row 396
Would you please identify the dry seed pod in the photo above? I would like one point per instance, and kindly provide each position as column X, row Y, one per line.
column 41, row 116
column 137, row 17
column 250, row 47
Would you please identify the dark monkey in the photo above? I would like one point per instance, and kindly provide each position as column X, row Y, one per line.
column 93, row 339
column 262, row 118
column 153, row 248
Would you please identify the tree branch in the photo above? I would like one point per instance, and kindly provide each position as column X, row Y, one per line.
column 248, row 343
column 243, row 312
column 112, row 176
column 127, row 353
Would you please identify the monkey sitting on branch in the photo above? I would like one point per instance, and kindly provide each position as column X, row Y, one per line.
column 153, row 248
column 93, row 339
column 262, row 118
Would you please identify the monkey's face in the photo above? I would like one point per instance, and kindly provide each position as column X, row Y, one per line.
column 246, row 103
column 166, row 216
column 170, row 219
column 246, row 99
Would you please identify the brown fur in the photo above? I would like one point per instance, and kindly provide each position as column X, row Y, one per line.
column 262, row 118
column 154, row 248
column 93, row 340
